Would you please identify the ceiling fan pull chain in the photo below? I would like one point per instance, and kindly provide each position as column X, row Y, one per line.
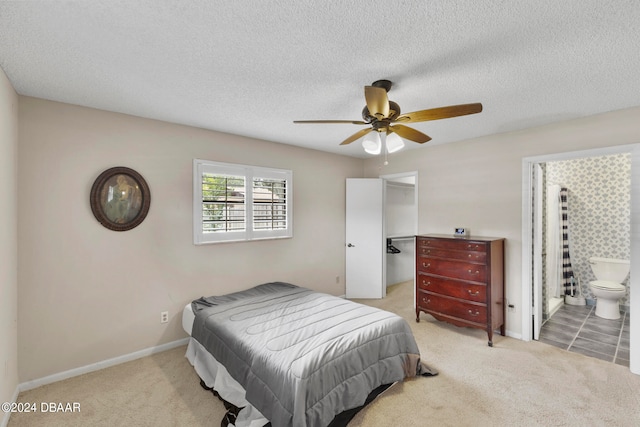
column 384, row 145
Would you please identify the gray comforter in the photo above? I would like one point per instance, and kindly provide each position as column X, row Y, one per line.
column 302, row 356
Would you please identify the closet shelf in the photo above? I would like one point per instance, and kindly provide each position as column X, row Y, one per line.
column 401, row 237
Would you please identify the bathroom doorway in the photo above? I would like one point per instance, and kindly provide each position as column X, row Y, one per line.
column 585, row 213
column 534, row 304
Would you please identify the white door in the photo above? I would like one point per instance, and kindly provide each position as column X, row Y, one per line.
column 537, row 252
column 365, row 269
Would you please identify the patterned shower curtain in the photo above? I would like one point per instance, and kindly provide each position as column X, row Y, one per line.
column 567, row 270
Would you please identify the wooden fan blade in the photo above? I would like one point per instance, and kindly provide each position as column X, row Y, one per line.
column 377, row 101
column 410, row 134
column 353, row 122
column 356, row 135
column 440, row 113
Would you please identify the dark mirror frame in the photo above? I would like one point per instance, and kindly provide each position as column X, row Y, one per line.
column 120, row 198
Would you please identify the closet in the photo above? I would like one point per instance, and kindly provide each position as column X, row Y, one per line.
column 381, row 224
column 400, row 229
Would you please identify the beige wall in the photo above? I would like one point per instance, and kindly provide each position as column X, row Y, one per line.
column 478, row 183
column 87, row 293
column 8, row 240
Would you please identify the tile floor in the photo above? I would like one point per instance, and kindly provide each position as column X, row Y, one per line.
column 577, row 329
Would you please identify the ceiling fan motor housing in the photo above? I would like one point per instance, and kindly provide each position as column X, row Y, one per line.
column 394, row 112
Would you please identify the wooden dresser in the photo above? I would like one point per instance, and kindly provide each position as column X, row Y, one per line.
column 460, row 280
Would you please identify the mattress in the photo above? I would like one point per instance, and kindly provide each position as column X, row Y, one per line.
column 302, row 356
column 215, row 376
column 187, row 318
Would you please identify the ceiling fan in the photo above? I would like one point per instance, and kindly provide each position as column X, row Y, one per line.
column 384, row 116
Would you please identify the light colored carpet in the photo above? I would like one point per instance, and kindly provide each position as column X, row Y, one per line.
column 514, row 383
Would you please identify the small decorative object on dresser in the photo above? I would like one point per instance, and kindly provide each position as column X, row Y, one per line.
column 460, row 280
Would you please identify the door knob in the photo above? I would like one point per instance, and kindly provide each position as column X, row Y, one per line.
column 349, row 245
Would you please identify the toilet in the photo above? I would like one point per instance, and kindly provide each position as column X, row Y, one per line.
column 608, row 288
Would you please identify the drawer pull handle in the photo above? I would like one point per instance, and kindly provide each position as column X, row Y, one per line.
column 426, row 300
column 474, row 272
column 426, row 283
column 426, row 265
column 476, row 313
column 473, row 294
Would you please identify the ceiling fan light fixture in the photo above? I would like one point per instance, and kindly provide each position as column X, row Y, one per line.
column 394, row 143
column 372, row 144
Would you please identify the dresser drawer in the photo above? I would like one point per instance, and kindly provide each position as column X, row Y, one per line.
column 454, row 269
column 474, row 256
column 452, row 307
column 460, row 245
column 468, row 291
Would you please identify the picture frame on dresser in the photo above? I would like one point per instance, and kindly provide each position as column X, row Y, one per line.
column 460, row 280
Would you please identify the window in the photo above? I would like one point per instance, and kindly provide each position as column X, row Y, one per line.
column 237, row 202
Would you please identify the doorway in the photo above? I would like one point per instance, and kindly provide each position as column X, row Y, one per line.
column 532, row 300
column 370, row 217
column 401, row 225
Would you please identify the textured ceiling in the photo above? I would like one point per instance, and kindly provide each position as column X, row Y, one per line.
column 252, row 67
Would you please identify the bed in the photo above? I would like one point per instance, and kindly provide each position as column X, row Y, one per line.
column 289, row 356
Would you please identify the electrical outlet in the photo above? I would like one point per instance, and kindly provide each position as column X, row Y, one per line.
column 164, row 317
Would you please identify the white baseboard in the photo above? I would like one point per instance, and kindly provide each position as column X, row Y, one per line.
column 100, row 365
column 7, row 415
column 515, row 335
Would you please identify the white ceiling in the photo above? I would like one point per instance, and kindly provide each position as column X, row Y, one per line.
column 253, row 67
